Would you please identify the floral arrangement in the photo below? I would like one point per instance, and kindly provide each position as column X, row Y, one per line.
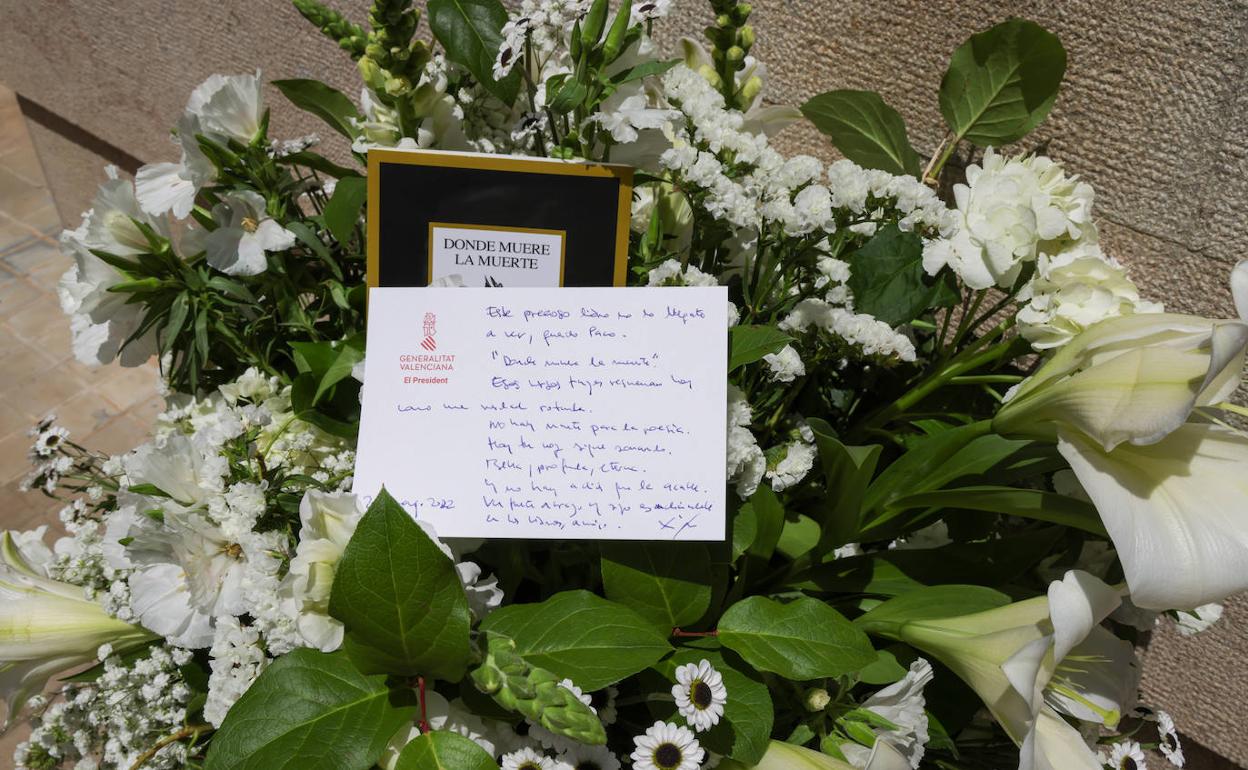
column 968, row 461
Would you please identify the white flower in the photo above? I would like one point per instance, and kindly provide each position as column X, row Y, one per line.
column 590, row 758
column 901, row 703
column 1073, row 290
column 875, row 337
column 746, row 462
column 47, row 627
column 220, row 109
column 700, row 694
column 1120, row 398
column 452, row 716
column 328, row 521
column 236, row 660
column 670, row 274
column 812, row 210
column 1168, row 740
column 667, row 746
column 628, row 111
column 484, row 595
column 1195, row 621
column 648, row 10
column 244, row 234
column 527, row 759
column 1030, row 660
column 178, row 466
column 786, row 365
column 102, row 320
column 1006, row 211
column 1127, row 755
column 799, row 458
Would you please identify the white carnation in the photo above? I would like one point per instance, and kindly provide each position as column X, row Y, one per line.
column 1073, row 290
column 746, row 463
column 786, row 365
column 799, row 458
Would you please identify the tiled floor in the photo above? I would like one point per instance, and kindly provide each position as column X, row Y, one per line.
column 105, row 408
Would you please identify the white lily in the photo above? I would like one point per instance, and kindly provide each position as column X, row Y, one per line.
column 328, row 521
column 1030, row 660
column 1169, row 486
column 903, row 704
column 786, row 756
column 47, row 627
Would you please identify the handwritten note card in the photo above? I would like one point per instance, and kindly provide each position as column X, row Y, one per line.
column 594, row 413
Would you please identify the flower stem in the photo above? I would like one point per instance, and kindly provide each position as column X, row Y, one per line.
column 186, row 732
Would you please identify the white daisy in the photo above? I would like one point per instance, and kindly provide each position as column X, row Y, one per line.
column 666, row 746
column 590, row 758
column 527, row 759
column 1168, row 739
column 700, row 694
column 1127, row 755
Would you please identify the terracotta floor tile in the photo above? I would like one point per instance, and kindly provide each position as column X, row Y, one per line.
column 117, row 436
column 84, row 414
column 34, row 320
column 13, row 233
column 19, row 363
column 23, row 161
column 47, row 278
column 15, row 293
column 145, row 411
column 56, row 341
column 13, row 462
column 127, row 387
column 44, row 392
column 34, row 255
column 22, row 200
column 45, row 219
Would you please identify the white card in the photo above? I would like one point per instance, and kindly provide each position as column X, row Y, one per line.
column 586, row 413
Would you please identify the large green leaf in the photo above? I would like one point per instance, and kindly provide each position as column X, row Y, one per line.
column 1002, row 82
column 864, row 129
column 804, row 639
column 743, row 732
column 400, row 597
column 581, row 636
column 310, row 711
column 1027, row 503
column 747, row 344
column 763, row 516
column 668, row 584
column 444, row 750
column 888, row 279
column 947, row 601
column 471, row 33
column 327, row 103
column 342, row 212
column 847, row 471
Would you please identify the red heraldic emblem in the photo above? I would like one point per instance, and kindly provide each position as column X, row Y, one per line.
column 431, row 330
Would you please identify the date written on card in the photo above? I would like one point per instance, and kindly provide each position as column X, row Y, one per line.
column 589, row 413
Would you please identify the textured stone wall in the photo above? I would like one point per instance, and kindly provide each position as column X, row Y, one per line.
column 1154, row 114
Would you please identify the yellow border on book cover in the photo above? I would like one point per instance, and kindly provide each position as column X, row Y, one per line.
column 624, row 205
column 563, row 239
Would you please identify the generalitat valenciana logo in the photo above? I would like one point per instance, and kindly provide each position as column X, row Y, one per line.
column 431, row 331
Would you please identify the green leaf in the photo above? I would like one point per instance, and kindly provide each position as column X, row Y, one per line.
column 743, row 732
column 914, row 469
column 304, row 702
column 471, row 33
column 327, row 103
column 947, row 601
column 444, row 750
column 668, row 584
column 399, row 594
column 342, row 212
column 645, row 69
column 1027, row 503
column 581, row 636
column 888, row 279
column 747, row 344
column 847, row 471
column 1002, row 82
column 805, row 639
column 864, row 129
column 800, row 535
column 767, row 515
column 885, row 670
